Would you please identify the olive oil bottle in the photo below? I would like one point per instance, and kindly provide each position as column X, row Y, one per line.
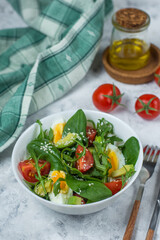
column 130, row 46
column 129, row 54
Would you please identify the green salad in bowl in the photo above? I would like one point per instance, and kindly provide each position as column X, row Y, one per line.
column 78, row 161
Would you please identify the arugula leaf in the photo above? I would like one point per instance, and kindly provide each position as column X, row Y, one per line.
column 113, row 139
column 130, row 150
column 127, row 176
column 56, row 186
column 44, row 134
column 92, row 190
column 30, row 185
column 76, row 124
column 46, row 151
column 104, row 127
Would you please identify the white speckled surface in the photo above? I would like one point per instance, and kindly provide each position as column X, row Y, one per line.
column 21, row 217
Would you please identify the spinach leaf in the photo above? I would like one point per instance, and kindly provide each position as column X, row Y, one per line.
column 76, row 124
column 95, row 173
column 45, row 150
column 92, row 190
column 131, row 150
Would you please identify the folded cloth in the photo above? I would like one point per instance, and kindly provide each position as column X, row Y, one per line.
column 42, row 62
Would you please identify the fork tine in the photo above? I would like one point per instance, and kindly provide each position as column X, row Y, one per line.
column 155, row 157
column 146, row 151
column 150, row 152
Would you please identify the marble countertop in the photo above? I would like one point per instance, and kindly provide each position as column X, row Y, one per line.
column 22, row 217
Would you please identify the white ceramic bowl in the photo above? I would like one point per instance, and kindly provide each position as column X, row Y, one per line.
column 19, row 153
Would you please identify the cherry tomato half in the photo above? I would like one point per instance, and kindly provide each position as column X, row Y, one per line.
column 157, row 76
column 90, row 133
column 28, row 170
column 114, row 186
column 84, row 163
column 147, row 106
column 107, row 97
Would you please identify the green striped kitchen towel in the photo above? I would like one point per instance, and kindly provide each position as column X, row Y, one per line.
column 42, row 62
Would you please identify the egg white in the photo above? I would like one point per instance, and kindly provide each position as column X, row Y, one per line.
column 118, row 153
column 55, row 122
column 60, row 198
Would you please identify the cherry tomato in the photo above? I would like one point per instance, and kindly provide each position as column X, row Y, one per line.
column 91, row 133
column 114, row 186
column 107, row 97
column 147, row 106
column 28, row 170
column 157, row 76
column 84, row 163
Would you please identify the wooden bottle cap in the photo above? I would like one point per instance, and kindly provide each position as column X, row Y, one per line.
column 143, row 75
column 131, row 18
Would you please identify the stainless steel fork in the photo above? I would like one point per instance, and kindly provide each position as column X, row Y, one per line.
column 150, row 159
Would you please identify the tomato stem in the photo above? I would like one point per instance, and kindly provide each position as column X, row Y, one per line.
column 146, row 106
column 157, row 76
column 115, row 97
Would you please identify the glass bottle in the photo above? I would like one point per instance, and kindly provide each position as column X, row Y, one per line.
column 130, row 46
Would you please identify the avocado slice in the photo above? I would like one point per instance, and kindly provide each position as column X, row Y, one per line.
column 74, row 200
column 67, row 141
column 38, row 189
column 91, row 149
column 122, row 171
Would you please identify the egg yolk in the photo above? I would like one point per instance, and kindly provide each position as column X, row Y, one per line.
column 114, row 162
column 57, row 131
column 63, row 185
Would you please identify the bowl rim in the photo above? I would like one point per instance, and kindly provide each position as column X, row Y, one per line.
column 25, row 132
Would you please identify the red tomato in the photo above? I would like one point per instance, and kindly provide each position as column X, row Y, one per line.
column 147, row 106
column 86, row 162
column 157, row 76
column 28, row 170
column 114, row 186
column 91, row 133
column 106, row 97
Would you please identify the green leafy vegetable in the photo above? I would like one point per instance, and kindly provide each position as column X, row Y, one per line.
column 47, row 151
column 76, row 124
column 127, row 176
column 130, row 150
column 56, row 187
column 98, row 165
column 39, row 177
column 92, row 190
column 104, row 127
column 92, row 122
column 44, row 134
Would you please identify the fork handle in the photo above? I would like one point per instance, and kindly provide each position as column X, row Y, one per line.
column 150, row 234
column 154, row 219
column 133, row 217
column 132, row 221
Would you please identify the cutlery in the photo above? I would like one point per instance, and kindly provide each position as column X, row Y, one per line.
column 149, row 162
column 154, row 219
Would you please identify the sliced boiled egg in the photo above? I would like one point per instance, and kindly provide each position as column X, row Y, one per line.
column 58, row 127
column 116, row 158
column 65, row 192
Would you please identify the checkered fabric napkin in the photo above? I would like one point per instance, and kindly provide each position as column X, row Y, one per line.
column 42, row 62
